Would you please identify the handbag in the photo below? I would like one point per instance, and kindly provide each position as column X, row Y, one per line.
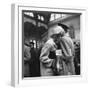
column 57, row 65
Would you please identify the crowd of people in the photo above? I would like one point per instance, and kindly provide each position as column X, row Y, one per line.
column 54, row 58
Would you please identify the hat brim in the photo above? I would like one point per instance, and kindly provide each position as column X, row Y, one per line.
column 65, row 27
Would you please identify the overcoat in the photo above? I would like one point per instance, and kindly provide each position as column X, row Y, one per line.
column 67, row 47
column 45, row 61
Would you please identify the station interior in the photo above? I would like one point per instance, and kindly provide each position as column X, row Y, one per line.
column 36, row 24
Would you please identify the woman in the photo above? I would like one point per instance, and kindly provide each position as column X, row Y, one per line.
column 48, row 56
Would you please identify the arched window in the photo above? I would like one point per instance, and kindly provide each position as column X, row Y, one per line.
column 72, row 32
column 57, row 16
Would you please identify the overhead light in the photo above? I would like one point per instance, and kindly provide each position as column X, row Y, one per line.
column 38, row 17
column 42, row 18
column 31, row 14
column 52, row 17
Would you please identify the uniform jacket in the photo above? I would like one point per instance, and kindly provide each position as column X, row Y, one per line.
column 68, row 52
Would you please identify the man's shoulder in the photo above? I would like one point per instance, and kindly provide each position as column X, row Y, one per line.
column 67, row 38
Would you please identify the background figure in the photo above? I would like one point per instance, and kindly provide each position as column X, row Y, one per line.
column 27, row 57
column 68, row 52
column 34, row 64
column 77, row 57
column 38, row 56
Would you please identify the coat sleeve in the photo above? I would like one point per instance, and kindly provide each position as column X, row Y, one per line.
column 47, row 62
column 67, row 47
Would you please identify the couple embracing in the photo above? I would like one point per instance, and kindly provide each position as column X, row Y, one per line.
column 57, row 54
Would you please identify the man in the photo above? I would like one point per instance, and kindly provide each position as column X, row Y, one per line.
column 33, row 60
column 67, row 47
column 27, row 57
column 48, row 55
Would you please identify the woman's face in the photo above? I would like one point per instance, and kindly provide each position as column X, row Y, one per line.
column 56, row 39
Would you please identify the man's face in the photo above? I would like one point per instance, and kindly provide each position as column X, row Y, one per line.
column 31, row 45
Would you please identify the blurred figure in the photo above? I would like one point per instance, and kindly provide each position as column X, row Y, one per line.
column 38, row 56
column 48, row 52
column 67, row 47
column 33, row 61
column 27, row 57
column 77, row 57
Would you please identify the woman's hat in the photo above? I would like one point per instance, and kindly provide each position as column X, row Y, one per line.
column 56, row 30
